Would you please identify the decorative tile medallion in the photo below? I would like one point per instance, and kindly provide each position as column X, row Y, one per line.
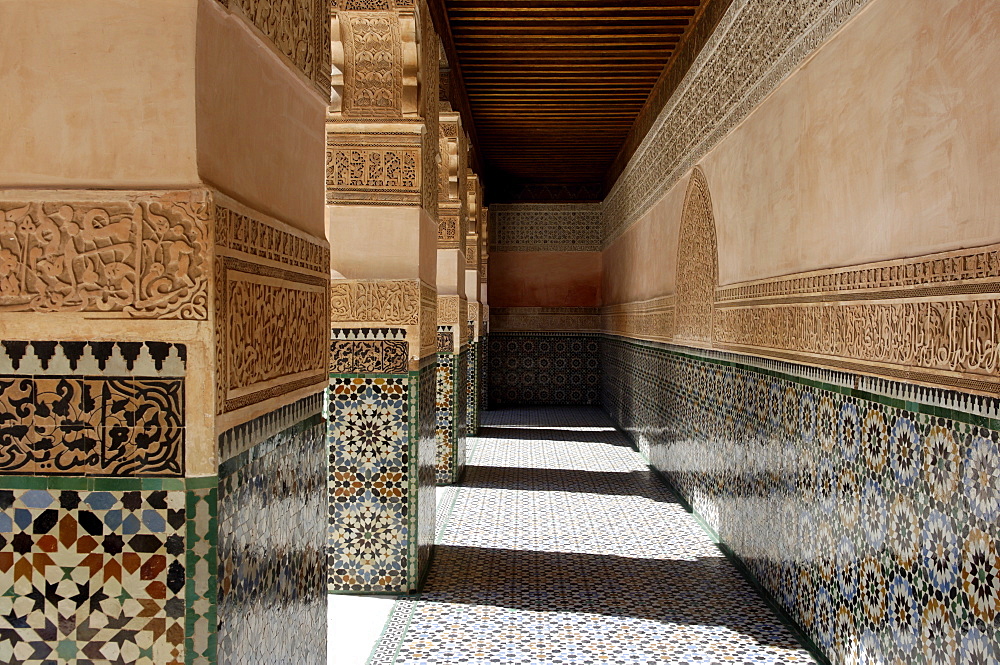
column 94, row 576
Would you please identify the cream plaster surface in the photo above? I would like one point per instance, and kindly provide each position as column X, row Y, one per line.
column 641, row 264
column 545, row 279
column 472, row 290
column 884, row 145
column 450, row 272
column 382, row 242
column 260, row 125
column 98, row 93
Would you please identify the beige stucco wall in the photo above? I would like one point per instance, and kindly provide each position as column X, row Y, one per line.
column 884, row 145
column 450, row 272
column 545, row 279
column 404, row 240
column 98, row 94
column 260, row 123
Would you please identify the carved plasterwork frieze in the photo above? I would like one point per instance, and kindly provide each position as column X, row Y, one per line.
column 649, row 319
column 428, row 320
column 697, row 264
column 448, row 310
column 369, row 356
column 382, row 168
column 753, row 49
column 535, row 227
column 139, row 255
column 391, row 302
column 272, row 310
column 373, row 64
column 299, row 30
column 933, row 319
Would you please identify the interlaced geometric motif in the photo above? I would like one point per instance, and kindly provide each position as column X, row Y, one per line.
column 92, row 576
column 872, row 520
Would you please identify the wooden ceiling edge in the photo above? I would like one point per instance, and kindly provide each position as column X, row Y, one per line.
column 439, row 17
column 687, row 50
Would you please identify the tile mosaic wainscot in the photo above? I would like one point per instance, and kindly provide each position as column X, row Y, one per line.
column 104, row 570
column 472, row 391
column 451, row 430
column 382, row 446
column 543, row 369
column 272, row 538
column 867, row 508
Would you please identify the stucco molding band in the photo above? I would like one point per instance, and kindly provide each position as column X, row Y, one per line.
column 932, row 320
column 648, row 319
column 545, row 319
column 754, row 48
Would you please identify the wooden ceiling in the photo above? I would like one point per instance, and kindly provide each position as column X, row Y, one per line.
column 554, row 86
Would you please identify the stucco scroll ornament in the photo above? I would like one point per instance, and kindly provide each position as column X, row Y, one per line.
column 395, row 302
column 697, row 263
column 146, row 259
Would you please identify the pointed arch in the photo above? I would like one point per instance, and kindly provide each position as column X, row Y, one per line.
column 697, row 264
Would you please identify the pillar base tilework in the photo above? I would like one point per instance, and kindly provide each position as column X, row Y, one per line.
column 472, row 391
column 381, row 514
column 272, row 541
column 452, row 373
column 867, row 508
column 100, row 570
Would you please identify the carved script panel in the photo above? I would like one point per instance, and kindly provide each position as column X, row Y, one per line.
column 144, row 257
column 392, row 302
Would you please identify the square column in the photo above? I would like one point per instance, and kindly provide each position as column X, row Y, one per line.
column 163, row 332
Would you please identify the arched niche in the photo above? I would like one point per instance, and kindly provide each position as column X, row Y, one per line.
column 697, row 264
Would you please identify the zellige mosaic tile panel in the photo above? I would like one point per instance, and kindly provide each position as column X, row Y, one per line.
column 540, row 368
column 873, row 521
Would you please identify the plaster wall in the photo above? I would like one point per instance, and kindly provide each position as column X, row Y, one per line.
column 98, row 94
column 259, row 122
column 883, row 145
column 403, row 238
column 450, row 272
column 545, row 279
column 472, row 291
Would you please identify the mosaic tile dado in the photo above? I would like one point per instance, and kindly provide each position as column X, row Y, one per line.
column 452, row 373
column 872, row 521
column 472, row 390
column 535, row 368
column 92, row 408
column 561, row 546
column 96, row 575
column 381, row 481
column 272, row 549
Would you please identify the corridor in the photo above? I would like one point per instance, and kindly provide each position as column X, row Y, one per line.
column 561, row 546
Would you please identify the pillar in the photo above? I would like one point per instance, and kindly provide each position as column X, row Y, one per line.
column 484, row 307
column 452, row 330
column 163, row 305
column 474, row 198
column 381, row 178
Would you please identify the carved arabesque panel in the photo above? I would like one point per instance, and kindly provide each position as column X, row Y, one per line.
column 373, row 64
column 141, row 256
column 394, row 302
column 697, row 263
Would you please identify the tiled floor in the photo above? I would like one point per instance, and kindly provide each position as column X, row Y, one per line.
column 561, row 547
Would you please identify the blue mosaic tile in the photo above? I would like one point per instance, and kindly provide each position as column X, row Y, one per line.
column 272, row 520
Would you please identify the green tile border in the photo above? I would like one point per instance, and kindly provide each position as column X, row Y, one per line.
column 892, row 402
column 105, row 483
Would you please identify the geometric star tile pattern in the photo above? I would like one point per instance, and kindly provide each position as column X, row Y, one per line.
column 92, row 576
column 561, row 546
column 872, row 520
